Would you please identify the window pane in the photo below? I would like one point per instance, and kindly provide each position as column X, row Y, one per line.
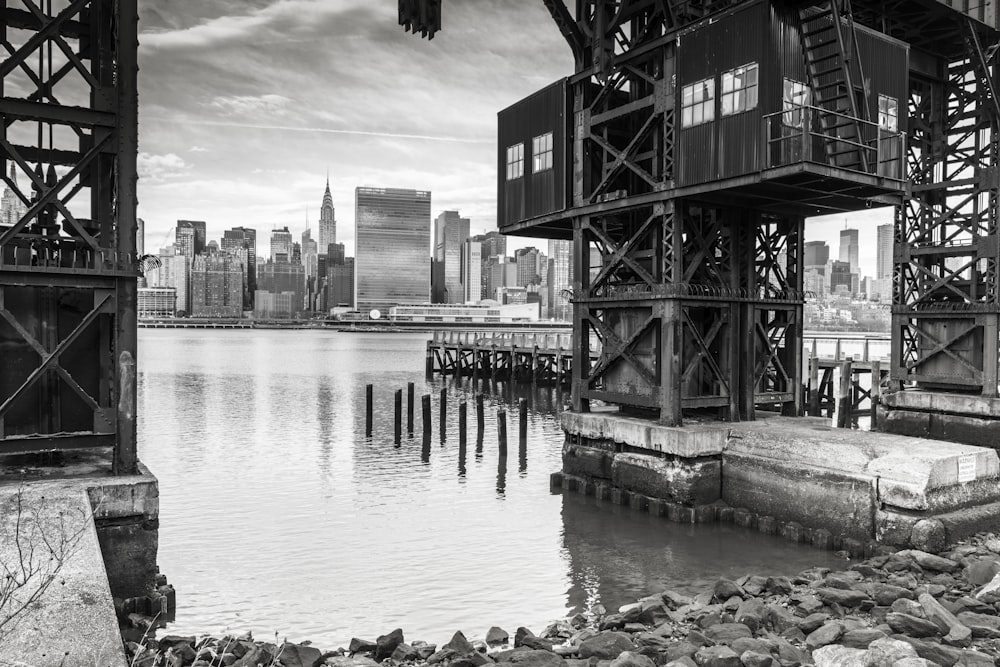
column 727, row 82
column 687, row 95
column 686, row 117
column 727, row 103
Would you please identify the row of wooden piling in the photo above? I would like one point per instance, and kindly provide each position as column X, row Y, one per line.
column 426, row 412
column 848, row 393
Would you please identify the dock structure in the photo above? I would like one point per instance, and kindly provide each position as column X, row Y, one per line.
column 543, row 358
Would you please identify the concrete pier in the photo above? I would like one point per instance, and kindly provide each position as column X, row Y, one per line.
column 104, row 532
column 856, row 485
column 969, row 419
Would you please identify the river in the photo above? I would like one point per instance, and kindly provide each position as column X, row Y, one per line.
column 278, row 516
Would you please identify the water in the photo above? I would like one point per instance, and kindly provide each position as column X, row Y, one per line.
column 278, row 515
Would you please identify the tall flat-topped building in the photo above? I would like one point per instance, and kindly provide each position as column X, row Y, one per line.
column 392, row 247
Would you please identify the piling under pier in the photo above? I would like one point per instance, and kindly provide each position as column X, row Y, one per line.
column 799, row 472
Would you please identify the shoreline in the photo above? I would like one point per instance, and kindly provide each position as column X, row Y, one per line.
column 904, row 608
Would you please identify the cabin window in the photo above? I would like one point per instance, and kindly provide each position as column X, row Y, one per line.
column 698, row 103
column 795, row 96
column 888, row 113
column 515, row 161
column 739, row 89
column 541, row 153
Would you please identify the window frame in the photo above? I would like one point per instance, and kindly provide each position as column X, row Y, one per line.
column 747, row 94
column 515, row 166
column 794, row 113
column 698, row 102
column 888, row 121
column 541, row 152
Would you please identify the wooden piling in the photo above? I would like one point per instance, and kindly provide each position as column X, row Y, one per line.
column 409, row 408
column 876, row 393
column 397, row 430
column 462, row 409
column 814, row 394
column 426, row 406
column 502, row 431
column 368, row 410
column 480, row 423
column 444, row 412
column 844, row 407
column 522, row 425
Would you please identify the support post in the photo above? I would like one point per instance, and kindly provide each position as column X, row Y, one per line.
column 368, row 410
column 462, row 435
column 444, row 412
column 426, row 406
column 522, row 424
column 502, row 432
column 397, row 430
column 844, row 407
column 876, row 393
column 814, row 394
column 409, row 408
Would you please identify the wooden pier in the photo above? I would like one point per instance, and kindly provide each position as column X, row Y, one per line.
column 839, row 370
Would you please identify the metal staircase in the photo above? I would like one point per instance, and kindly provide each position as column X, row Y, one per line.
column 829, row 44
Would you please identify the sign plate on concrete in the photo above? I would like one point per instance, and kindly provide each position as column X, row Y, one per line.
column 966, row 467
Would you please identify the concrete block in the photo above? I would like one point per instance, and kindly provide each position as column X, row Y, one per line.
column 688, row 481
column 930, row 401
column 607, row 426
column 744, row 518
column 121, row 497
column 767, row 525
column 689, row 441
column 704, row 513
column 587, row 461
column 639, row 502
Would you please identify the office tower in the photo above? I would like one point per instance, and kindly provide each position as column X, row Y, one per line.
column 140, row 237
column 527, row 260
column 335, row 254
column 200, row 234
column 216, row 286
column 212, row 248
column 327, row 220
column 494, row 243
column 281, row 245
column 817, row 253
column 560, row 279
column 174, row 271
column 841, row 278
column 883, row 260
column 849, row 248
column 185, row 241
column 12, row 209
column 340, row 283
column 450, row 232
column 472, row 271
column 502, row 273
column 310, row 261
column 392, row 240
column 244, row 240
column 280, row 289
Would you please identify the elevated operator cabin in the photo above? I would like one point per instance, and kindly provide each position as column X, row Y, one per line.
column 810, row 119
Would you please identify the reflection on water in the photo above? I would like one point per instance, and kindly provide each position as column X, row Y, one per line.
column 278, row 514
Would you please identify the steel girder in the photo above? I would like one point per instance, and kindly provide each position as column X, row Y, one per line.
column 68, row 263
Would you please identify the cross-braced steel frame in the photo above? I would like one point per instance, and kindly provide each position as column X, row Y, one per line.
column 67, row 260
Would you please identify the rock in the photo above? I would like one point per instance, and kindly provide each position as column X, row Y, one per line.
column 697, row 638
column 606, row 646
column 256, row 655
column 789, row 653
column 744, row 644
column 169, row 641
column 828, row 633
column 812, row 622
column 886, row 594
column 913, row 662
column 982, row 571
column 928, row 534
column 753, row 586
column 717, row 656
column 496, row 636
column 563, row 630
column 680, row 650
column 967, row 603
column 725, row 589
column 931, row 562
column 911, row 625
column 861, row 637
column 440, row 656
column 297, row 655
column 674, row 600
column 845, row 598
column 886, row 651
column 534, row 658
column 536, row 643
column 808, row 604
column 424, row 650
column 911, row 607
column 361, row 646
column 974, row 659
column 651, row 640
column 754, row 659
column 725, row 633
column 955, row 633
column 520, row 634
column 403, row 653
column 835, row 655
column 632, row 659
column 992, row 544
column 938, row 653
column 386, row 644
column 750, row 613
column 682, row 662
column 348, row 661
column 982, row 625
column 184, row 654
column 779, row 619
column 778, row 586
column 992, row 588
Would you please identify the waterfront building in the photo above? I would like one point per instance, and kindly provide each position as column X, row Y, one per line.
column 242, row 242
column 472, row 270
column 281, row 245
column 450, row 232
column 560, row 279
column 276, row 305
column 156, row 302
column 849, row 248
column 280, row 277
column 216, row 286
column 392, row 240
column 199, row 242
column 513, row 294
column 465, row 313
column 327, row 220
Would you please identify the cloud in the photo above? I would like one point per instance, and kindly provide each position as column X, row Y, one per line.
column 160, row 168
column 197, row 149
column 251, row 104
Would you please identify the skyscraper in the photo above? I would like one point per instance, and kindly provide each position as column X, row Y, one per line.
column 240, row 241
column 472, row 271
column 140, row 237
column 12, row 208
column 327, row 220
column 849, row 248
column 491, row 244
column 560, row 279
column 200, row 234
column 184, row 241
column 392, row 240
column 281, row 245
column 216, row 286
column 450, row 231
column 817, row 253
column 883, row 260
column 527, row 266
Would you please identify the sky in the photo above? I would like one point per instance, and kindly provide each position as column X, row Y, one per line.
column 245, row 106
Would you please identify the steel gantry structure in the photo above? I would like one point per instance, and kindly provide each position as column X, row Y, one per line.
column 68, row 264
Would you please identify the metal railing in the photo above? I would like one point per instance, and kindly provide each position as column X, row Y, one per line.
column 543, row 340
column 861, row 347
column 796, row 135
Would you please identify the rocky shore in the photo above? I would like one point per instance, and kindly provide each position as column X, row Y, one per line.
column 899, row 608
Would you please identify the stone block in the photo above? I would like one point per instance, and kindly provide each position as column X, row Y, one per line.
column 587, row 461
column 690, row 481
column 607, row 426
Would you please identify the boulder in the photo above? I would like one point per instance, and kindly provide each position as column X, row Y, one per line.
column 911, row 625
column 843, row 597
column 403, row 653
column 606, row 646
column 496, row 636
column 779, row 619
column 982, row 571
column 931, row 562
column 682, row 662
column 725, row 633
column 928, row 535
column 954, row 632
column 911, row 607
column 754, row 659
column 974, row 659
column 725, row 589
column 717, row 656
column 521, row 633
column 533, row 658
column 914, row 662
column 946, row 656
column 982, row 625
column 813, row 621
column 836, row 655
column 778, row 586
column 861, row 637
column 297, row 655
column 386, row 644
column 886, row 594
column 361, row 646
column 680, row 650
column 536, row 643
column 887, row 651
column 632, row 659
column 674, row 600
column 750, row 613
column 828, row 633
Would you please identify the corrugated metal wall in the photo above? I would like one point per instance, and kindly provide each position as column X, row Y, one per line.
column 533, row 194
